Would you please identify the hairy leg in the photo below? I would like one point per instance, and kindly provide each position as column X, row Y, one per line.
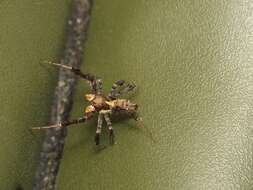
column 140, row 124
column 65, row 123
column 99, row 128
column 109, row 124
column 119, row 88
column 114, row 89
column 99, row 86
column 95, row 82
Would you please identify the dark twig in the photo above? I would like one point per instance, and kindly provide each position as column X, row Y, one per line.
column 52, row 148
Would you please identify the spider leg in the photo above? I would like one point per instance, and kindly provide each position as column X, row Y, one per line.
column 140, row 124
column 99, row 128
column 119, row 88
column 109, row 124
column 99, row 85
column 95, row 82
column 65, row 123
column 114, row 88
column 129, row 87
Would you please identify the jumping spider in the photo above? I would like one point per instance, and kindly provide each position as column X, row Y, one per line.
column 101, row 104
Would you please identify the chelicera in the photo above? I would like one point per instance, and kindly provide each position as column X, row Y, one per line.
column 103, row 105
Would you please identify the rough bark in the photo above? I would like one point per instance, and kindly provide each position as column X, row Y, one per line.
column 53, row 144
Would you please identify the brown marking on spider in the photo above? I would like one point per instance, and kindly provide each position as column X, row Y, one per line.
column 101, row 104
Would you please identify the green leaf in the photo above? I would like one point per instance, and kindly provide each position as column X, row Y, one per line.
column 189, row 61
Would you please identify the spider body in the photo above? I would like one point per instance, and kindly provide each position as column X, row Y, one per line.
column 98, row 102
column 104, row 105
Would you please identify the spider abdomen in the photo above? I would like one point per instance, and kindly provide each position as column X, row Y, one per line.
column 122, row 104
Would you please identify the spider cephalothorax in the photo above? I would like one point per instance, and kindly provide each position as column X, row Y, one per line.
column 101, row 104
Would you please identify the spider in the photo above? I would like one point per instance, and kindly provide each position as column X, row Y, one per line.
column 104, row 105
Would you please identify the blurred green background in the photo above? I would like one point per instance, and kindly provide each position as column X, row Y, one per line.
column 30, row 32
column 192, row 63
